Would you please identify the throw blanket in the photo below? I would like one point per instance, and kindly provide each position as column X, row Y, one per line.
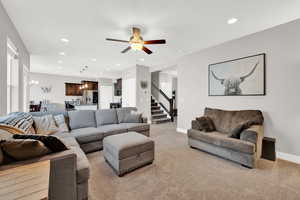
column 236, row 132
column 20, row 120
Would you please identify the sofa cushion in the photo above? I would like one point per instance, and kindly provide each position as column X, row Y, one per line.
column 68, row 139
column 106, row 116
column 86, row 135
column 137, row 127
column 123, row 112
column 112, row 129
column 82, row 119
column 225, row 121
column 222, row 140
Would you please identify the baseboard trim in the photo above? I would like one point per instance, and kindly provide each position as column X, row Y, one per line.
column 288, row 157
column 182, row 130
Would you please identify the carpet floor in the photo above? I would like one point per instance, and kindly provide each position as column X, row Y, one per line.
column 179, row 172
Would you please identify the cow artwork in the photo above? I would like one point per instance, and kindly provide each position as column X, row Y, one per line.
column 232, row 83
column 239, row 77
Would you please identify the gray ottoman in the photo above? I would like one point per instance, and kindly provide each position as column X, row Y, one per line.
column 128, row 151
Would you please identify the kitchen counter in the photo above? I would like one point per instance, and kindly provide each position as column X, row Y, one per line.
column 86, row 107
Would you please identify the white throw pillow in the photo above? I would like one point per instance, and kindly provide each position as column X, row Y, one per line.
column 45, row 125
column 61, row 123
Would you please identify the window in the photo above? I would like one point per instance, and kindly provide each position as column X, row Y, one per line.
column 25, row 88
column 12, row 78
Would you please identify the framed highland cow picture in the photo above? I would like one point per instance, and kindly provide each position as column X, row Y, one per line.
column 240, row 77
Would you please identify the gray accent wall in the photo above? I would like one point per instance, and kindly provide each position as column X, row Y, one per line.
column 8, row 30
column 281, row 105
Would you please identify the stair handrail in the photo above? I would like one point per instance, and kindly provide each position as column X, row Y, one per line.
column 170, row 100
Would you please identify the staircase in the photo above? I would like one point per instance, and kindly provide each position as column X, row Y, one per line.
column 158, row 115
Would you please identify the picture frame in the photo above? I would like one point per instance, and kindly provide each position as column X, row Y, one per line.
column 244, row 76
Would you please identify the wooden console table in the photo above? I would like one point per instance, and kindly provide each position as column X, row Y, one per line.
column 28, row 182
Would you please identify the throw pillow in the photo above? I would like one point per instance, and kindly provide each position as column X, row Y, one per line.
column 61, row 123
column 51, row 142
column 45, row 125
column 133, row 117
column 236, row 132
column 20, row 120
column 24, row 149
column 205, row 124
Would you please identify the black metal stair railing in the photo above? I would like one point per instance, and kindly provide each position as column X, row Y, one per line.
column 170, row 111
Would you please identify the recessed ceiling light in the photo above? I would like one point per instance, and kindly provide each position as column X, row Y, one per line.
column 142, row 59
column 62, row 53
column 118, row 64
column 64, row 40
column 94, row 59
column 60, row 61
column 232, row 20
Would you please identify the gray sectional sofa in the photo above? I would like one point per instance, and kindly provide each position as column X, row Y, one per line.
column 70, row 170
column 245, row 150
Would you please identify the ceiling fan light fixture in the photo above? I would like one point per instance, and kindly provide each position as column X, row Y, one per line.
column 137, row 46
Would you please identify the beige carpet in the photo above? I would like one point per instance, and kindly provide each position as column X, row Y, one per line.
column 180, row 172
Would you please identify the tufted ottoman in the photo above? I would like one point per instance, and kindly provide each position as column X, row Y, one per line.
column 128, row 151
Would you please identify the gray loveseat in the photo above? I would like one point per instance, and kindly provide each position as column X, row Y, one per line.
column 245, row 150
column 70, row 170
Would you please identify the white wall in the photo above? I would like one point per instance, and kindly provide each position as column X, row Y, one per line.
column 281, row 104
column 129, row 88
column 132, row 93
column 57, row 94
column 8, row 30
column 143, row 95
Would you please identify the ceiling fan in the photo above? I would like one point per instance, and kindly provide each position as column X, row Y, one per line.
column 136, row 42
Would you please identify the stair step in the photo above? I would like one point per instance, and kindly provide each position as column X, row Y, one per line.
column 154, row 104
column 153, row 112
column 159, row 121
column 159, row 116
column 155, row 107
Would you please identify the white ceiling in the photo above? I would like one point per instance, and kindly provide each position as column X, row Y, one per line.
column 187, row 25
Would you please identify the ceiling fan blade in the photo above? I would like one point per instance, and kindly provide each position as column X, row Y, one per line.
column 148, row 51
column 125, row 50
column 155, row 42
column 116, row 40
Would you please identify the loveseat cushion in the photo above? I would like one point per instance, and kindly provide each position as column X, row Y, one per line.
column 222, row 140
column 82, row 119
column 225, row 121
column 106, row 116
column 112, row 129
column 86, row 135
column 137, row 126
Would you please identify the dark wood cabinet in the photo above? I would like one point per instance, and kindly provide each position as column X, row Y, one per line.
column 72, row 89
column 91, row 85
column 118, row 87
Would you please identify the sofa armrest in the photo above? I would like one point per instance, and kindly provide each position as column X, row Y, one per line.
column 62, row 173
column 255, row 135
